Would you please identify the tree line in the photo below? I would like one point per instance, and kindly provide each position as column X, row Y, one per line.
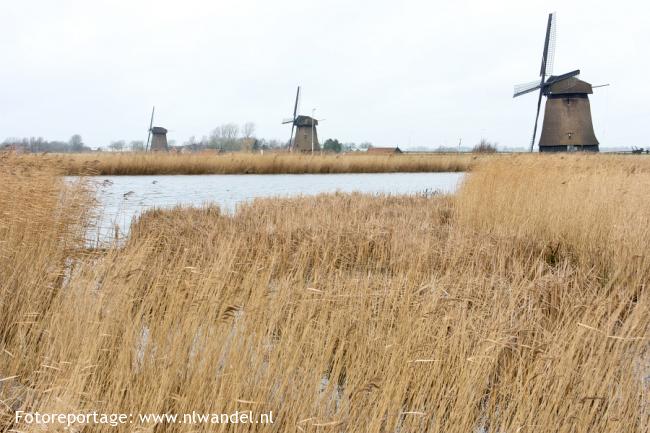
column 228, row 137
column 38, row 144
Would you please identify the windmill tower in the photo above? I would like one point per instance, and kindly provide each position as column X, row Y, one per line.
column 306, row 138
column 157, row 137
column 567, row 115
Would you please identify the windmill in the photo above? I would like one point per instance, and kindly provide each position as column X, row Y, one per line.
column 156, row 137
column 306, row 137
column 567, row 115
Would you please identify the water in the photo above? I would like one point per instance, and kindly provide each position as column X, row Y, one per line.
column 124, row 197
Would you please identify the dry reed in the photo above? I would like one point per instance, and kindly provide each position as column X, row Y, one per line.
column 246, row 163
column 520, row 304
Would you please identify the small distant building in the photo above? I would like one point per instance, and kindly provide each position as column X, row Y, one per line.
column 385, row 150
column 159, row 139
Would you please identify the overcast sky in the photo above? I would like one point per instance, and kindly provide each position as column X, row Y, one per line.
column 408, row 73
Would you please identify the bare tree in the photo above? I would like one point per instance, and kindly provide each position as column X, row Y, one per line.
column 225, row 136
column 229, row 131
column 485, row 146
column 248, row 130
column 76, row 143
column 216, row 133
column 117, row 146
column 137, row 145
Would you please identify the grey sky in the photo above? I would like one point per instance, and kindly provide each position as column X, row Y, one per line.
column 417, row 73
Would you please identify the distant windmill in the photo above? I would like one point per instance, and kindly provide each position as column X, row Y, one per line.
column 306, row 138
column 157, row 136
column 567, row 115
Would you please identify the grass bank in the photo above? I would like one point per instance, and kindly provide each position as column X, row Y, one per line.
column 520, row 304
column 270, row 163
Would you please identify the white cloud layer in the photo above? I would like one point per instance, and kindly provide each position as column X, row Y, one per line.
column 417, row 73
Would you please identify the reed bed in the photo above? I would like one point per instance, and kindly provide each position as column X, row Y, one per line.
column 247, row 163
column 520, row 304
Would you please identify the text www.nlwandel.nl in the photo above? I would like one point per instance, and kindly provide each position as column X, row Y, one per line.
column 116, row 419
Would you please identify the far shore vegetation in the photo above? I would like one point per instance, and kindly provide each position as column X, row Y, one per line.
column 142, row 163
column 233, row 149
column 228, row 137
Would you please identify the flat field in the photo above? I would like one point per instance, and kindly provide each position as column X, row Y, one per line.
column 520, row 304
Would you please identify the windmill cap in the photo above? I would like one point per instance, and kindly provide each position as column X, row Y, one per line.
column 158, row 130
column 305, row 121
column 570, row 85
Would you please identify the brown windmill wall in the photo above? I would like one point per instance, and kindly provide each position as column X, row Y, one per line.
column 159, row 142
column 567, row 122
column 302, row 140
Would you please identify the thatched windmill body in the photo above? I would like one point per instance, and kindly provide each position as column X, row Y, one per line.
column 567, row 115
column 306, row 135
column 157, row 137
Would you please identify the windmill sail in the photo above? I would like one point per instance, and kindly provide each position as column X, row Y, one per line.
column 539, row 105
column 549, row 46
column 150, row 126
column 547, row 64
column 522, row 89
column 293, row 121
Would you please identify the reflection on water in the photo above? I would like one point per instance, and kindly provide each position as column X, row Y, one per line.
column 124, row 197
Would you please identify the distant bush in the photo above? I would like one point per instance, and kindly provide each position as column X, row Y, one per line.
column 485, row 146
column 332, row 145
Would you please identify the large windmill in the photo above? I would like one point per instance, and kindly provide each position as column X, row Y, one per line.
column 567, row 115
column 159, row 140
column 306, row 138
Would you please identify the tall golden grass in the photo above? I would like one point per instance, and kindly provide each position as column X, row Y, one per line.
column 520, row 304
column 270, row 163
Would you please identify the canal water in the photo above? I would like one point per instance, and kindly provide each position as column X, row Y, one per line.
column 122, row 198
